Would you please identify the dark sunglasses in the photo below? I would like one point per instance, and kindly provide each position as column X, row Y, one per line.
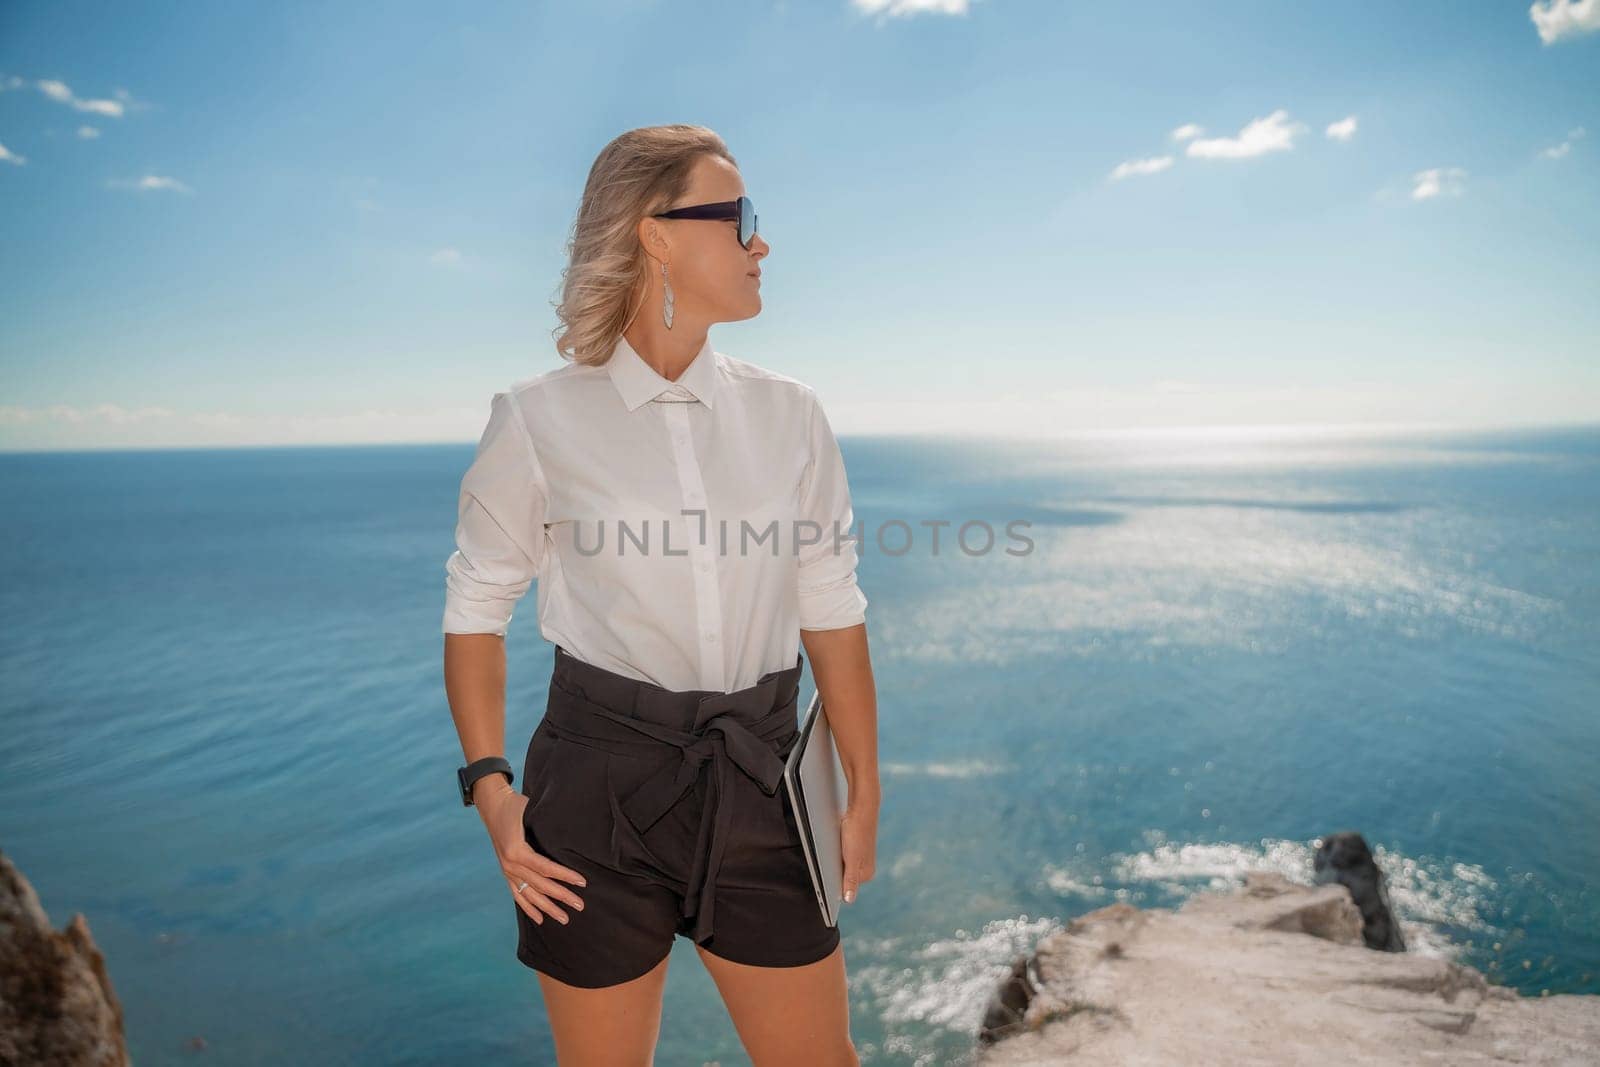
column 725, row 211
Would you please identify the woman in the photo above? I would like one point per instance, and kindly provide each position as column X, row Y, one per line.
column 687, row 518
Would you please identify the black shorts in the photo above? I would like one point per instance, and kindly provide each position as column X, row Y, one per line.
column 672, row 805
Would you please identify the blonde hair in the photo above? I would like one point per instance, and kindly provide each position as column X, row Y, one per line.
column 639, row 173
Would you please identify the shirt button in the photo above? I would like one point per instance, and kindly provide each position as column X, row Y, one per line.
column 711, row 638
column 705, row 565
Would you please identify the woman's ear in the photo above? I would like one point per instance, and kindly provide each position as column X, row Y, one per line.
column 652, row 239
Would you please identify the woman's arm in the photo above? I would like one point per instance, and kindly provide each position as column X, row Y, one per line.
column 499, row 551
column 843, row 670
column 834, row 631
column 475, row 687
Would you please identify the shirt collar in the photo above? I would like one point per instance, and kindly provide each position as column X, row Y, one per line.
column 637, row 382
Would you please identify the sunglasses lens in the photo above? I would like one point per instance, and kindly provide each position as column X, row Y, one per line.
column 747, row 220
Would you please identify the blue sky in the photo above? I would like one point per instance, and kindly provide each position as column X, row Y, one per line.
column 314, row 223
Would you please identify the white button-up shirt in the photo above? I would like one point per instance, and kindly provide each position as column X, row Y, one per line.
column 681, row 533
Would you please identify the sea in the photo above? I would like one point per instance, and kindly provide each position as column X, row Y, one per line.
column 1133, row 667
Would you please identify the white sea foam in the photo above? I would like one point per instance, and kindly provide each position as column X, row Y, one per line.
column 946, row 982
column 972, row 768
column 1429, row 896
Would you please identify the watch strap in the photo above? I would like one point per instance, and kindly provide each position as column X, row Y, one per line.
column 469, row 774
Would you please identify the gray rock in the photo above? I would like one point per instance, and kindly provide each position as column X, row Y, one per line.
column 1273, row 973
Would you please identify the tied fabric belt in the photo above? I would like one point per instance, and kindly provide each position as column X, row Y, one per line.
column 732, row 731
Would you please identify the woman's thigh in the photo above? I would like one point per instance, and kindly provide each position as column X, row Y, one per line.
column 788, row 1015
column 609, row 1026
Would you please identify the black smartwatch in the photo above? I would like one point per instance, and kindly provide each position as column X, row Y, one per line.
column 477, row 769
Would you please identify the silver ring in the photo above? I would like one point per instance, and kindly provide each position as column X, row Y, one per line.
column 521, row 887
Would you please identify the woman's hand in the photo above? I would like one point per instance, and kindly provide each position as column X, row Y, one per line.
column 858, row 840
column 502, row 816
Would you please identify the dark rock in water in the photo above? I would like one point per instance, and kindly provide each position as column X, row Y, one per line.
column 1010, row 1002
column 1345, row 859
column 57, row 1007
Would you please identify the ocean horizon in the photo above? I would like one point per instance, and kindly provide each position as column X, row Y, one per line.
column 227, row 743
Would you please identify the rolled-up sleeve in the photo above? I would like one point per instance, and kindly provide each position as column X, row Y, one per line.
column 829, row 595
column 499, row 527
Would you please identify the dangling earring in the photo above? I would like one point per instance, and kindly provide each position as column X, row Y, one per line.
column 666, row 297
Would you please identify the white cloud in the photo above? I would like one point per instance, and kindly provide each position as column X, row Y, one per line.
column 1140, row 166
column 8, row 156
column 1564, row 147
column 449, row 257
column 111, row 414
column 150, row 181
column 113, row 425
column 1439, row 181
column 59, row 92
column 903, row 8
column 1342, row 130
column 1186, row 131
column 1559, row 19
column 1274, row 133
column 88, row 132
column 1511, row 395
